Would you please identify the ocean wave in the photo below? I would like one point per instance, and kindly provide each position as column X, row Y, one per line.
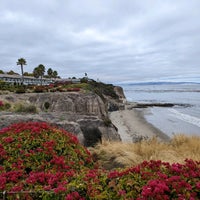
column 184, row 117
column 161, row 91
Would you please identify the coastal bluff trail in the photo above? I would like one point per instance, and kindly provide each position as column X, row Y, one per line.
column 132, row 126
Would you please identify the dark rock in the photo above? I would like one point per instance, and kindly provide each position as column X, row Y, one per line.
column 146, row 105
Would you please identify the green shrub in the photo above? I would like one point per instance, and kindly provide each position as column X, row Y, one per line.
column 7, row 106
column 4, row 106
column 102, row 89
column 107, row 121
column 20, row 90
column 46, row 105
column 25, row 108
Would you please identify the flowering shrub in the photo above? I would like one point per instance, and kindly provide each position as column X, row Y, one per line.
column 159, row 180
column 4, row 106
column 1, row 104
column 38, row 157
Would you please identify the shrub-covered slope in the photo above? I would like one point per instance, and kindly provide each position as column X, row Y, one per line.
column 38, row 161
column 36, row 156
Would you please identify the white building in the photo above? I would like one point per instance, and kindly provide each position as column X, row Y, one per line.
column 28, row 80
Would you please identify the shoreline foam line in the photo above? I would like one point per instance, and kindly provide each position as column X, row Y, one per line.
column 184, row 117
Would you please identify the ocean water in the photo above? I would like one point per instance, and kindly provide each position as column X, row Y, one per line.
column 178, row 119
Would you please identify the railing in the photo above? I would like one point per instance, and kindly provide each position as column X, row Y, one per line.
column 36, row 195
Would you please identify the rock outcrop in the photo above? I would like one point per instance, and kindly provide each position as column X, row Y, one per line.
column 112, row 104
column 84, row 114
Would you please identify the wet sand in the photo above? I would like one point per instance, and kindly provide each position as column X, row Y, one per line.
column 132, row 124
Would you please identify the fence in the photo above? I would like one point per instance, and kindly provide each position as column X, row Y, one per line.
column 31, row 195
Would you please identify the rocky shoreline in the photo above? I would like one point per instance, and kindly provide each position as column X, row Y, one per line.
column 88, row 116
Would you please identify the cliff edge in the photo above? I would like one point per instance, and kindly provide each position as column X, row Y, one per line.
column 84, row 113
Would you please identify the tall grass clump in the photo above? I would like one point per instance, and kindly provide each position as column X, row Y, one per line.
column 21, row 108
column 118, row 154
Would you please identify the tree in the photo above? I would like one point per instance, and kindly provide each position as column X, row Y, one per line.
column 36, row 73
column 39, row 71
column 50, row 72
column 11, row 72
column 1, row 71
column 22, row 62
column 28, row 74
column 55, row 74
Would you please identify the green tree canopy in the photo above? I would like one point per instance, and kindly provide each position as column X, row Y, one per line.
column 11, row 72
column 55, row 74
column 39, row 71
column 50, row 72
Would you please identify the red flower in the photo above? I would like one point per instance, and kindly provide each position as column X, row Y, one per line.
column 198, row 185
column 122, row 192
column 8, row 139
column 74, row 196
column 1, row 103
column 2, row 182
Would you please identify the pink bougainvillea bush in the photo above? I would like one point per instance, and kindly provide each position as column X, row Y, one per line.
column 38, row 161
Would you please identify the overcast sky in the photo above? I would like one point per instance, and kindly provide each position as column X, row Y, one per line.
column 110, row 40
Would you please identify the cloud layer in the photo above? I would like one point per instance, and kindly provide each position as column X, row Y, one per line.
column 111, row 40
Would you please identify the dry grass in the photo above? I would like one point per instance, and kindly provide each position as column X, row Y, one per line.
column 116, row 154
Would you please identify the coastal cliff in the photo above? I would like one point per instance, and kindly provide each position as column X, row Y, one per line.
column 85, row 114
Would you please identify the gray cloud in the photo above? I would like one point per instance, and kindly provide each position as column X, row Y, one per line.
column 111, row 40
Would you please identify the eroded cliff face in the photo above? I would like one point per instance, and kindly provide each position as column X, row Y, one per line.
column 75, row 102
column 119, row 104
column 83, row 114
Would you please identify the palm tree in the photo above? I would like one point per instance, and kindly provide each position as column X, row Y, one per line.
column 50, row 72
column 21, row 62
column 36, row 73
column 39, row 71
column 55, row 74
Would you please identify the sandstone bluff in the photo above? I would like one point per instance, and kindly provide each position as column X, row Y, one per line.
column 83, row 114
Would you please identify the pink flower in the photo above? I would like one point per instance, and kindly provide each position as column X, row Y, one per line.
column 73, row 196
column 198, row 185
column 8, row 139
column 154, row 188
column 1, row 103
column 122, row 192
column 2, row 182
column 59, row 189
column 17, row 188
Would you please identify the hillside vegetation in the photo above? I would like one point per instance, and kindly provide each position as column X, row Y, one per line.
column 84, row 86
column 39, row 161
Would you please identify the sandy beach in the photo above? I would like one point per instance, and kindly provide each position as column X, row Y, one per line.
column 132, row 125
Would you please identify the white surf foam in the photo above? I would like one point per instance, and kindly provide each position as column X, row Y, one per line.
column 184, row 117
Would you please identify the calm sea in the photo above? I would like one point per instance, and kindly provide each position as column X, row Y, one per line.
column 178, row 119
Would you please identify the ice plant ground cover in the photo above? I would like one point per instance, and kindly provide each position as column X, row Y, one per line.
column 39, row 161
